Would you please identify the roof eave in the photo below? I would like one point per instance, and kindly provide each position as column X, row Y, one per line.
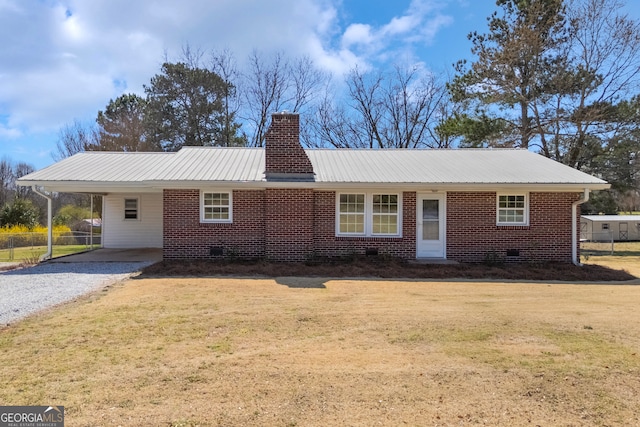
column 155, row 186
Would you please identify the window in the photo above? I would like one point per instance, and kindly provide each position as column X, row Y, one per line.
column 512, row 209
column 605, row 226
column 215, row 207
column 363, row 214
column 351, row 214
column 131, row 209
column 385, row 214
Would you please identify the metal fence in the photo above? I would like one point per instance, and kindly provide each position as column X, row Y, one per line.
column 604, row 243
column 12, row 244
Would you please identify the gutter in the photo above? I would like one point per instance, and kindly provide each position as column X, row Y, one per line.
column 49, row 224
column 574, row 227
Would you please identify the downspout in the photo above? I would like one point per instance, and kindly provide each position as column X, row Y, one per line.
column 574, row 226
column 49, row 224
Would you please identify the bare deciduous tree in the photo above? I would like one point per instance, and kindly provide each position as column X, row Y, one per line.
column 273, row 84
column 400, row 109
column 74, row 138
column 223, row 63
column 604, row 53
column 266, row 84
column 7, row 180
column 21, row 169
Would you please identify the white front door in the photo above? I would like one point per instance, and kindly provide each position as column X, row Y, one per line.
column 431, row 235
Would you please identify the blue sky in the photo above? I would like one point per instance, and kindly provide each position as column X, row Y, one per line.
column 62, row 60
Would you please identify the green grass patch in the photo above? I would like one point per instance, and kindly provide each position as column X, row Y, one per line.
column 32, row 253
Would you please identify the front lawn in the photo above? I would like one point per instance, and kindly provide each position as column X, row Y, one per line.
column 315, row 352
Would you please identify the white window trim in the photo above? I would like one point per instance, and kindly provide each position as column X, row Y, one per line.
column 368, row 214
column 216, row 221
column 124, row 209
column 526, row 209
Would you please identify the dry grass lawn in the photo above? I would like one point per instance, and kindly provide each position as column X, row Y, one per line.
column 318, row 352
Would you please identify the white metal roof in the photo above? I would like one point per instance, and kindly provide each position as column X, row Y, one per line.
column 245, row 166
column 102, row 166
column 480, row 166
column 612, row 218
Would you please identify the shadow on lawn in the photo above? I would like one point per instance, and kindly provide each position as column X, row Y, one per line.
column 302, row 282
column 382, row 267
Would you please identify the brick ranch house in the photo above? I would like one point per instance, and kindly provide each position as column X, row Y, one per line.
column 283, row 202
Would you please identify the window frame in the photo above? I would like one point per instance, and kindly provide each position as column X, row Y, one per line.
column 369, row 214
column 525, row 209
column 339, row 213
column 229, row 206
column 124, row 209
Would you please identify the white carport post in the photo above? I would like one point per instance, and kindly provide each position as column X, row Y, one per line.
column 91, row 223
column 49, row 223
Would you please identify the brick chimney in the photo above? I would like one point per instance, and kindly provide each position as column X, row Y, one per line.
column 284, row 156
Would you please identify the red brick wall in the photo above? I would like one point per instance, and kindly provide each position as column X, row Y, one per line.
column 283, row 152
column 472, row 234
column 278, row 224
column 288, row 224
column 186, row 237
column 325, row 242
column 293, row 224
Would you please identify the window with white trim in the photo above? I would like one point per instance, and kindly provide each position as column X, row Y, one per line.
column 368, row 214
column 512, row 209
column 385, row 214
column 351, row 214
column 215, row 206
column 131, row 209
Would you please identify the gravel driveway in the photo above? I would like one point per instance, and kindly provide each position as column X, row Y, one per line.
column 29, row 290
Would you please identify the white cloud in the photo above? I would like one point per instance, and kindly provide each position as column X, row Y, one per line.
column 357, row 34
column 401, row 25
column 433, row 26
column 9, row 133
column 397, row 40
column 46, row 98
column 67, row 58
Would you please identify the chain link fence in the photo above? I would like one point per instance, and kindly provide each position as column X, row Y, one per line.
column 20, row 246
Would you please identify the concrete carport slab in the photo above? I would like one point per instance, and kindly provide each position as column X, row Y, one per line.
column 113, row 255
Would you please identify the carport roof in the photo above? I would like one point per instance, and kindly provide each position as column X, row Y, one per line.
column 333, row 167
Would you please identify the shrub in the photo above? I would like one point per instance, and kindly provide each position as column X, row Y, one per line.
column 69, row 214
column 20, row 212
column 37, row 236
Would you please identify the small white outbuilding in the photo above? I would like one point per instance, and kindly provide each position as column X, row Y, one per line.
column 606, row 228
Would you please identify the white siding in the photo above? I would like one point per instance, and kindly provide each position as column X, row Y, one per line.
column 145, row 232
